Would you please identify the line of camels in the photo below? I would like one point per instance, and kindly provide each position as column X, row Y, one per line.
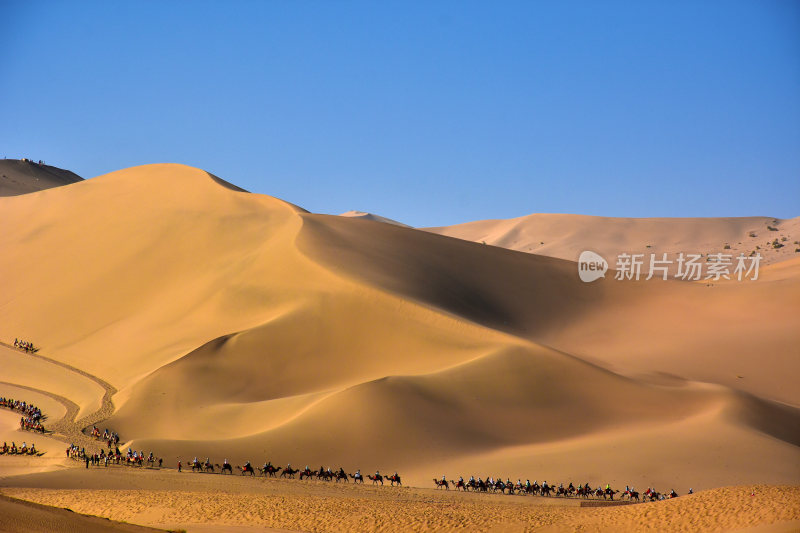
column 269, row 470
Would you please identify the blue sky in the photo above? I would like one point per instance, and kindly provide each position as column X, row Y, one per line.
column 431, row 113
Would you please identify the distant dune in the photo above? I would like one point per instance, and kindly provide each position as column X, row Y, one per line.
column 23, row 176
column 239, row 326
column 566, row 236
column 369, row 216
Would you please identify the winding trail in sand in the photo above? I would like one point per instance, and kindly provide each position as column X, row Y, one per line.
column 68, row 428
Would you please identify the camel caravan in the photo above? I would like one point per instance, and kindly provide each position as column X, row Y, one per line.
column 545, row 489
column 20, row 450
column 268, row 470
column 116, row 457
column 32, row 415
column 25, row 346
column 111, row 438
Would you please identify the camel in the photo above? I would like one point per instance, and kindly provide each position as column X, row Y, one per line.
column 441, row 483
column 357, row 478
column 269, row 470
column 225, row 468
column 459, row 485
column 308, row 473
column 376, row 478
column 340, row 475
column 394, row 478
column 631, row 494
column 246, row 469
column 289, row 471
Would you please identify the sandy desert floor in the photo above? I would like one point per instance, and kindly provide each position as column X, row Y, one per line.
column 212, row 502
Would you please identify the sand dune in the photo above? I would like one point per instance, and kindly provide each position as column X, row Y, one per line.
column 22, row 176
column 566, row 236
column 375, row 218
column 237, row 325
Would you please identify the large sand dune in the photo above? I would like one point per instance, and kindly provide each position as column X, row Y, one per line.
column 237, row 325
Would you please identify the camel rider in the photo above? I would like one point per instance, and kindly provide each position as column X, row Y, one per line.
column 377, row 473
column 225, row 462
column 528, row 483
column 608, row 486
column 472, row 479
column 444, row 478
column 560, row 485
column 208, row 461
column 307, row 469
column 691, row 491
column 460, row 479
column 247, row 465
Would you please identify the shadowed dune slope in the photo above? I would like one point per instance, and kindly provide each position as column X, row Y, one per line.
column 21, row 177
column 712, row 332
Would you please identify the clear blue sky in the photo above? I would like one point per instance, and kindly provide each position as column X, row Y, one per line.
column 431, row 113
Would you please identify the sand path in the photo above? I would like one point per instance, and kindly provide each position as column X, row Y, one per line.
column 68, row 428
